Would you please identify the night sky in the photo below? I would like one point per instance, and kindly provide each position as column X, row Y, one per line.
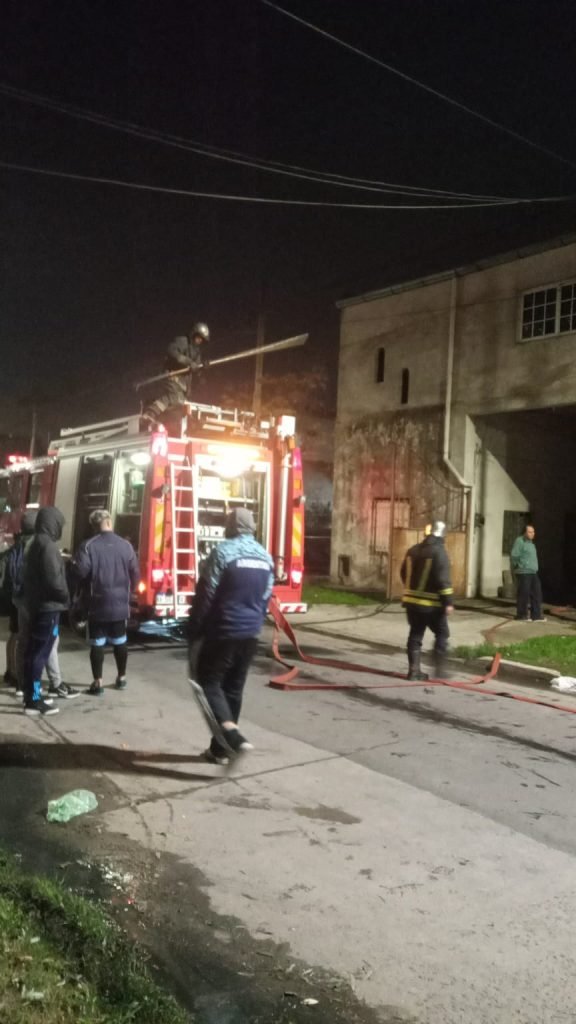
column 97, row 279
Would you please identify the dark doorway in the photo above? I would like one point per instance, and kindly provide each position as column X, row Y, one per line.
column 93, row 492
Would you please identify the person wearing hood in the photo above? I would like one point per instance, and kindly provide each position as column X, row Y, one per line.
column 227, row 614
column 45, row 595
column 427, row 599
column 57, row 688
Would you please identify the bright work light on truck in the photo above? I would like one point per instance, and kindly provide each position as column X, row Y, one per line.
column 140, row 458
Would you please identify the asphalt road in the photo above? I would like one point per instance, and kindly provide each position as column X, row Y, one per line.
column 403, row 856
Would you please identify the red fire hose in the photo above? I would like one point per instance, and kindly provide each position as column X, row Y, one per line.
column 286, row 681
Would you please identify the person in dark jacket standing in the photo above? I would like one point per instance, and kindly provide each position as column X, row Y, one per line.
column 45, row 595
column 186, row 352
column 227, row 615
column 427, row 599
column 17, row 564
column 524, row 564
column 12, row 593
column 109, row 566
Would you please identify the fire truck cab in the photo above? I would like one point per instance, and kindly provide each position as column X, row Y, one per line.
column 169, row 493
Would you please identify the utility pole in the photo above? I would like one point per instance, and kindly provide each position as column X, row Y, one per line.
column 259, row 371
column 34, row 430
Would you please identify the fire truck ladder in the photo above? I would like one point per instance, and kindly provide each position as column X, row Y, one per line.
column 182, row 492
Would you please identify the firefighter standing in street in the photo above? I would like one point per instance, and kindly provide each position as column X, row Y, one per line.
column 184, row 353
column 427, row 599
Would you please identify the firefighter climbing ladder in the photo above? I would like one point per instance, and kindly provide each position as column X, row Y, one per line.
column 183, row 519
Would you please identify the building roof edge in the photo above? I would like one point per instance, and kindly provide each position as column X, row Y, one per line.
column 462, row 271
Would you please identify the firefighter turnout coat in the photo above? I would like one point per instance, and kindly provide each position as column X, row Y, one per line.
column 425, row 574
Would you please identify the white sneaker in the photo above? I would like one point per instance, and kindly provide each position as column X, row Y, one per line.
column 40, row 707
column 214, row 759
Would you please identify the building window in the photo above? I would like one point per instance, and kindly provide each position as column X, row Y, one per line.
column 548, row 311
column 405, row 389
column 380, row 365
column 513, row 526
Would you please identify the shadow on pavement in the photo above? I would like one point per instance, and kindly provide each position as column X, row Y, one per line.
column 95, row 757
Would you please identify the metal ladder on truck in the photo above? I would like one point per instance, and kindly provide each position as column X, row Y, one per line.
column 183, row 532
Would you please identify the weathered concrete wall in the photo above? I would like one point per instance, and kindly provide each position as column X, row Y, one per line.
column 412, row 328
column 494, row 372
column 385, row 457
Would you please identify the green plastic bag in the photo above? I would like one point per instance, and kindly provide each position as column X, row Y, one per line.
column 79, row 801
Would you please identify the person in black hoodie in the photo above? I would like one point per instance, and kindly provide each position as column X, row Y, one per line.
column 45, row 594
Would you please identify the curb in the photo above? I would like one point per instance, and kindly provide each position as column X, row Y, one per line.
column 517, row 673
column 536, row 676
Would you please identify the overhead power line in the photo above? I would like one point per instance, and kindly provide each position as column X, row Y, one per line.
column 420, row 85
column 231, row 156
column 192, row 193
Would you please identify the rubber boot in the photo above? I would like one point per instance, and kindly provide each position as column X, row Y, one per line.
column 440, row 665
column 414, row 672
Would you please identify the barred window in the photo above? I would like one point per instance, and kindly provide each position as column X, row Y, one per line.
column 549, row 311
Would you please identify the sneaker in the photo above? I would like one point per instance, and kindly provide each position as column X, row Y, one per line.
column 238, row 743
column 18, row 692
column 215, row 758
column 95, row 690
column 64, row 691
column 539, row 620
column 121, row 684
column 40, row 707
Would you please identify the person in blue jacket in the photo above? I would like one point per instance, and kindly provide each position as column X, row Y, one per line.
column 108, row 565
column 229, row 607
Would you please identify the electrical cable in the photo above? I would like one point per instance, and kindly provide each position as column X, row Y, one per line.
column 231, row 156
column 421, row 85
column 192, row 193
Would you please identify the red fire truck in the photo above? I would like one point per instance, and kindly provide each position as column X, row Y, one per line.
column 169, row 493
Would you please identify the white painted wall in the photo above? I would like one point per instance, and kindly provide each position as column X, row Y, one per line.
column 496, row 492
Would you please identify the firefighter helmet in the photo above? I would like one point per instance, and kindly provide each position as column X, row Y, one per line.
column 438, row 528
column 200, row 330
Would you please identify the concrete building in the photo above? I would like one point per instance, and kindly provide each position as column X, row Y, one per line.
column 457, row 398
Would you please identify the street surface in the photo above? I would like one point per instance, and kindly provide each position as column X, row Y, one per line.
column 401, row 856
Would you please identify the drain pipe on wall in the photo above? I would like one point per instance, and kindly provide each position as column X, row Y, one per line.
column 468, row 487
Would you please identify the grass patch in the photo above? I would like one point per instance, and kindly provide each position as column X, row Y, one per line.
column 63, row 961
column 556, row 652
column 316, row 593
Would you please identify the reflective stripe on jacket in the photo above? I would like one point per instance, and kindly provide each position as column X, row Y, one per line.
column 425, row 574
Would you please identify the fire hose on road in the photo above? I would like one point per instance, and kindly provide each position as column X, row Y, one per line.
column 287, row 681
